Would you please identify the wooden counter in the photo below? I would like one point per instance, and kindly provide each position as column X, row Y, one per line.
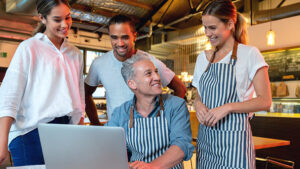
column 283, row 128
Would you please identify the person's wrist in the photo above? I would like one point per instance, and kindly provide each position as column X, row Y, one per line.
column 154, row 165
column 198, row 104
column 3, row 145
column 228, row 107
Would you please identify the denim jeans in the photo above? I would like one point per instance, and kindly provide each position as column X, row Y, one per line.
column 26, row 149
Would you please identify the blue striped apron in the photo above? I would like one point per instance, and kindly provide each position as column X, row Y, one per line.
column 228, row 144
column 148, row 138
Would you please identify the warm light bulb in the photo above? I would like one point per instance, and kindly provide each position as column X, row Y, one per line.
column 184, row 73
column 184, row 76
column 271, row 38
column 191, row 78
column 208, row 46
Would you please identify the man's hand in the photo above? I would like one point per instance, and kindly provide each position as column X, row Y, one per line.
column 81, row 121
column 90, row 108
column 141, row 165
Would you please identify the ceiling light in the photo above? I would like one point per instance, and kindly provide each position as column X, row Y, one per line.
column 270, row 37
column 270, row 33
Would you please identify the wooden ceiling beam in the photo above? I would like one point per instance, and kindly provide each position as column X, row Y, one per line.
column 151, row 14
column 136, row 4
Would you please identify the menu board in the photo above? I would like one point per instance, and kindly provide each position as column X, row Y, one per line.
column 283, row 64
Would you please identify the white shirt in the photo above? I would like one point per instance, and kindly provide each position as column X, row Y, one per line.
column 249, row 60
column 106, row 69
column 42, row 83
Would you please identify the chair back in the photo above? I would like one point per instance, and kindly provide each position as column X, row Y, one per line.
column 194, row 126
column 276, row 163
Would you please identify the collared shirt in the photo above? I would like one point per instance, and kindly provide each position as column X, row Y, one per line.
column 177, row 116
column 106, row 70
column 249, row 60
column 41, row 83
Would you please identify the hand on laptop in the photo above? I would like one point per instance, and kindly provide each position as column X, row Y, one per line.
column 141, row 165
column 81, row 121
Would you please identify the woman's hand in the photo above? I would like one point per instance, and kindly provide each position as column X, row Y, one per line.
column 141, row 165
column 201, row 109
column 216, row 114
column 5, row 123
column 201, row 112
column 4, row 154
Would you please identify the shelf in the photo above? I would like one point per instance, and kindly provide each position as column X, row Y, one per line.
column 282, row 99
column 278, row 114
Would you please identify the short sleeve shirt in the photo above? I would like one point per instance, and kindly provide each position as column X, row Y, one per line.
column 106, row 70
column 249, row 60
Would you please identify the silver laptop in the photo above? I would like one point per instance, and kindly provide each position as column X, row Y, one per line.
column 83, row 147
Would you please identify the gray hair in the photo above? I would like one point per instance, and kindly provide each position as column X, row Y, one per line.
column 127, row 66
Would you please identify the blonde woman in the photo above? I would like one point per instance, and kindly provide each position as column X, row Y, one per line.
column 226, row 78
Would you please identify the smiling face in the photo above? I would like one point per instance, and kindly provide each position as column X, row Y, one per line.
column 146, row 80
column 58, row 22
column 122, row 40
column 216, row 30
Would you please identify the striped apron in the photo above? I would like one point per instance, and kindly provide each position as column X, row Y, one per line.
column 227, row 145
column 148, row 138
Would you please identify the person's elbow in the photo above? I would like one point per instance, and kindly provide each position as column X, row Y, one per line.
column 178, row 87
column 183, row 89
column 266, row 102
column 185, row 147
column 180, row 91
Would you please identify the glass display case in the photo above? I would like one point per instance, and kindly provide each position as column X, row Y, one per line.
column 282, row 107
column 285, row 105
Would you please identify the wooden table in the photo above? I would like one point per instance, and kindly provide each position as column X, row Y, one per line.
column 262, row 142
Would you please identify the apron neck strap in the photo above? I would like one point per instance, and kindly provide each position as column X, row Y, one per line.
column 233, row 55
column 161, row 105
column 234, row 51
